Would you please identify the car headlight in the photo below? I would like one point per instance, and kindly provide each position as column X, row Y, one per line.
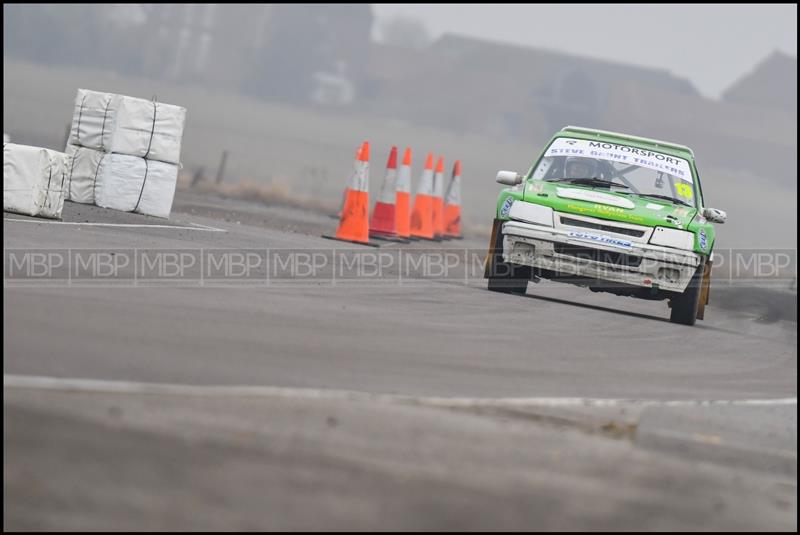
column 531, row 213
column 670, row 237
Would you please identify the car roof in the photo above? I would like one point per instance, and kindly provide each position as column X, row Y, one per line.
column 627, row 139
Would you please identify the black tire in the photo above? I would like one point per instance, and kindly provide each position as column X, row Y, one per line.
column 684, row 306
column 504, row 277
column 508, row 286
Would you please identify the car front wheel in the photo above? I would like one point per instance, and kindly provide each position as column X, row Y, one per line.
column 504, row 277
column 684, row 306
column 508, row 285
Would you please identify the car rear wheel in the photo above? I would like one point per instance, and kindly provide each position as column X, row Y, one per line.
column 684, row 306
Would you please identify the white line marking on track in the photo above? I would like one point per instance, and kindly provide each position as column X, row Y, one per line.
column 127, row 387
column 196, row 226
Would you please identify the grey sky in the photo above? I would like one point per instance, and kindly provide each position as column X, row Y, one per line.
column 711, row 44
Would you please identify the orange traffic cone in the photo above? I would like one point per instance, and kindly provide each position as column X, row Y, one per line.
column 422, row 214
column 438, row 200
column 382, row 222
column 354, row 224
column 338, row 215
column 452, row 205
column 403, row 199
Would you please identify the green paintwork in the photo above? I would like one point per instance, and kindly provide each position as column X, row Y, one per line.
column 680, row 216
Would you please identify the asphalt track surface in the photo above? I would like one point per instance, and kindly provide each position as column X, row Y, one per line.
column 395, row 401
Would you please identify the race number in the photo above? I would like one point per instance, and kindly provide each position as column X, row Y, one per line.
column 684, row 190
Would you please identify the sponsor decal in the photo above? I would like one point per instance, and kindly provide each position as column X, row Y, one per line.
column 669, row 218
column 506, row 206
column 684, row 190
column 580, row 209
column 611, row 211
column 608, row 209
column 605, row 240
column 594, row 196
column 680, row 211
column 656, row 161
column 537, row 187
column 702, row 239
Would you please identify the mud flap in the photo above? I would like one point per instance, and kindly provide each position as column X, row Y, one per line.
column 487, row 265
column 705, row 289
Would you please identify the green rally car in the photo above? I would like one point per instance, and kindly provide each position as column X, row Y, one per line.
column 613, row 212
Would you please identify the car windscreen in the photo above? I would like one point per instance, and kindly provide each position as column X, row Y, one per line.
column 626, row 169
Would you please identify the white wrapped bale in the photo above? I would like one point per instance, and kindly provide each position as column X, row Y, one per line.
column 82, row 176
column 126, row 125
column 33, row 180
column 156, row 197
column 121, row 179
column 132, row 184
column 92, row 119
column 122, row 182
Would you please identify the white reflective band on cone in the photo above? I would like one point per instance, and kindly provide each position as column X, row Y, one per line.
column 389, row 185
column 438, row 184
column 360, row 179
column 453, row 195
column 353, row 176
column 426, row 183
column 404, row 179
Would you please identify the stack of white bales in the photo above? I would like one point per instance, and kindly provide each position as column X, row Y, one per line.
column 34, row 180
column 126, row 152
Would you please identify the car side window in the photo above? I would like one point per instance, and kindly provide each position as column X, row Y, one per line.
column 542, row 171
column 700, row 199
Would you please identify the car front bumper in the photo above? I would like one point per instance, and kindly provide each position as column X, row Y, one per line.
column 640, row 264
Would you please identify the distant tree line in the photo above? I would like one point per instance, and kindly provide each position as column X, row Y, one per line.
column 278, row 52
column 78, row 34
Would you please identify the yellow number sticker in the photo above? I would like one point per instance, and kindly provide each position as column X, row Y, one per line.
column 684, row 190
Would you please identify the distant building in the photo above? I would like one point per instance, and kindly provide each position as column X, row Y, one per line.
column 333, row 88
column 517, row 94
column 505, row 90
column 772, row 84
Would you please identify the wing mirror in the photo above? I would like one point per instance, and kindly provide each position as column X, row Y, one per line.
column 509, row 178
column 714, row 215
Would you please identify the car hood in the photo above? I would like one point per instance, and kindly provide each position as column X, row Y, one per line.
column 595, row 202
